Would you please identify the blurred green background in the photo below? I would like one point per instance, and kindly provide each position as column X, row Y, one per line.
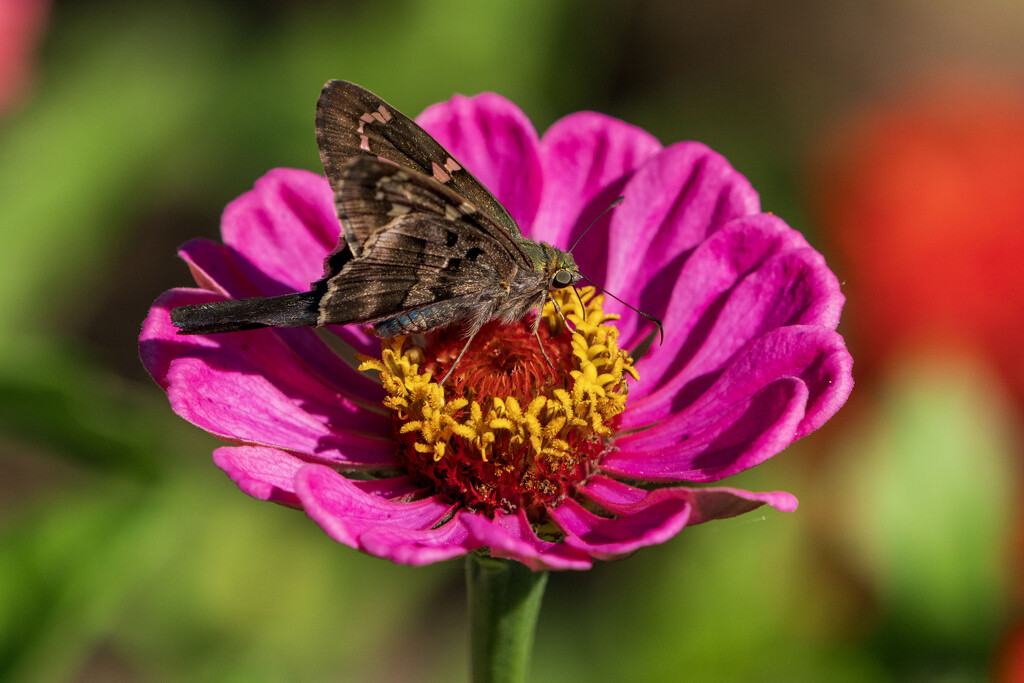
column 125, row 554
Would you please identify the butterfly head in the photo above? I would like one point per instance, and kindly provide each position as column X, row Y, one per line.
column 560, row 268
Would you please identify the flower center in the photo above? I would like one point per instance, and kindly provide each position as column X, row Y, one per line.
column 508, row 431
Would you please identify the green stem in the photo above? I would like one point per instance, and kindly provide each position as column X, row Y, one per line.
column 504, row 602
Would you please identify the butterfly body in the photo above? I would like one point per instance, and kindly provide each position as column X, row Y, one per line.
column 424, row 244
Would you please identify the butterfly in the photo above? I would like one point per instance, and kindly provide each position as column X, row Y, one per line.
column 424, row 244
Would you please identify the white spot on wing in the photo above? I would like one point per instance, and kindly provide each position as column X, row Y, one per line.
column 384, row 114
column 364, row 143
column 452, row 165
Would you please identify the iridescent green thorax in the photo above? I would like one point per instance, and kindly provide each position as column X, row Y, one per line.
column 548, row 261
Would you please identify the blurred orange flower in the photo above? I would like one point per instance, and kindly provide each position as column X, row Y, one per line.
column 923, row 202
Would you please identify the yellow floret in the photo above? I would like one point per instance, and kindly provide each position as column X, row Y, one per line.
column 587, row 407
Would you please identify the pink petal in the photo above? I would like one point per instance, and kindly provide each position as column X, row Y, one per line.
column 159, row 340
column 777, row 390
column 704, row 504
column 587, row 158
column 721, row 503
column 282, row 229
column 217, row 268
column 269, row 474
column 420, row 546
column 497, row 143
column 212, row 268
column 402, row 531
column 368, row 515
column 512, row 537
column 672, row 203
column 813, row 354
column 739, row 436
column 752, row 276
column 251, row 410
column 829, row 382
column 402, row 487
column 263, row 473
column 249, row 387
column 608, row 539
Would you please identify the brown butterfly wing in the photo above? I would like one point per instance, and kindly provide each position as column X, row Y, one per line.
column 422, row 248
column 353, row 122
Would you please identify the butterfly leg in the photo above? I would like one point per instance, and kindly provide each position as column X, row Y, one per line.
column 558, row 310
column 459, row 357
column 541, row 345
column 536, row 329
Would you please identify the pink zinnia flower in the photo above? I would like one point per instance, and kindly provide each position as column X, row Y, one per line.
column 751, row 361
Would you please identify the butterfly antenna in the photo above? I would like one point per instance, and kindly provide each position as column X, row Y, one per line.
column 661, row 328
column 583, row 308
column 593, row 222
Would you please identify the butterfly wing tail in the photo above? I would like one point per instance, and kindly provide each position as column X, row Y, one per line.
column 290, row 310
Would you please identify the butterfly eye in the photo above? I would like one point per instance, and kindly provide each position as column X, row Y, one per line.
column 562, row 278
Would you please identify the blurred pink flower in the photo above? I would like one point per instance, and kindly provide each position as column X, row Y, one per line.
column 21, row 27
column 751, row 362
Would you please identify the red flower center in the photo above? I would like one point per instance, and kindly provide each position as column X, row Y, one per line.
column 504, row 361
column 508, row 431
